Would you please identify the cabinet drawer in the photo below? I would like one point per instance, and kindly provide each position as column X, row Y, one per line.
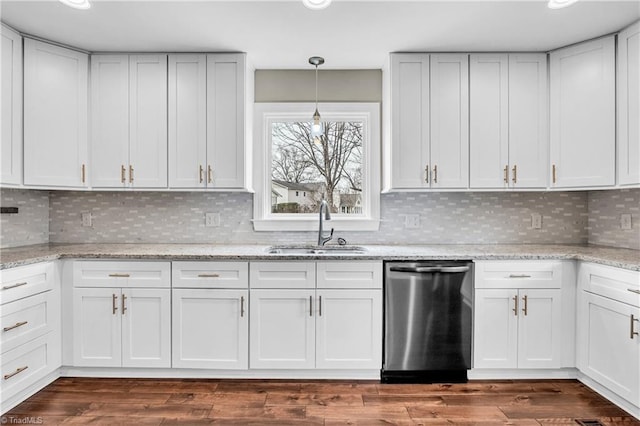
column 347, row 274
column 615, row 283
column 28, row 363
column 23, row 281
column 518, row 274
column 282, row 274
column 210, row 274
column 121, row 274
column 26, row 319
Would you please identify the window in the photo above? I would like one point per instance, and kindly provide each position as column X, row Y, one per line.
column 342, row 166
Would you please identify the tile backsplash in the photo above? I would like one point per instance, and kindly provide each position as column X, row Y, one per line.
column 605, row 208
column 445, row 218
column 31, row 224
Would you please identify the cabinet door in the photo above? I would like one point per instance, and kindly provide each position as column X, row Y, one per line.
column 146, row 327
column 148, row 121
column 539, row 329
column 11, row 74
column 489, row 120
column 409, row 120
column 210, row 329
column 496, row 329
column 528, row 128
column 187, row 120
column 109, row 121
column 282, row 329
column 607, row 350
column 225, row 120
column 582, row 87
column 349, row 329
column 96, row 327
column 629, row 105
column 55, row 115
column 449, row 121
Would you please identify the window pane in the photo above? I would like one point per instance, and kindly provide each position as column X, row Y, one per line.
column 306, row 169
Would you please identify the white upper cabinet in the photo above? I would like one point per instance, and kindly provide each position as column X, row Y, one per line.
column 55, row 115
column 226, row 76
column 109, row 120
column 11, row 75
column 129, row 121
column 449, row 121
column 582, row 111
column 629, row 105
column 508, row 135
column 429, row 121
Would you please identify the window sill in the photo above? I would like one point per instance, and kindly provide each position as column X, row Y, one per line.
column 308, row 224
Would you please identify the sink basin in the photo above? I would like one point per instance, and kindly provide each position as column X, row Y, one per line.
column 332, row 250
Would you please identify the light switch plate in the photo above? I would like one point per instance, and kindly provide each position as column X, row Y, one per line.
column 536, row 221
column 212, row 219
column 412, row 221
column 625, row 221
column 86, row 219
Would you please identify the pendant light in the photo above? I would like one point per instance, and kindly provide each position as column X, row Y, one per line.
column 77, row 4
column 316, row 127
column 559, row 4
column 316, row 4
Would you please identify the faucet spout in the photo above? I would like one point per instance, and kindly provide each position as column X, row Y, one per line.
column 327, row 216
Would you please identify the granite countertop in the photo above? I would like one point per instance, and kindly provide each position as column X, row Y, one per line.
column 622, row 258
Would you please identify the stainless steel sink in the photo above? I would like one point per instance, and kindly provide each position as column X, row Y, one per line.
column 331, row 250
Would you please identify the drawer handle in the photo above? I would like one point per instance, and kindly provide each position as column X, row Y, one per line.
column 16, row 325
column 9, row 287
column 241, row 306
column 208, row 276
column 633, row 290
column 632, row 332
column 519, row 276
column 119, row 275
column 18, row 371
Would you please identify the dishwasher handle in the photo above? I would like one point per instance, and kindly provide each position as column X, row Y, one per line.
column 430, row 269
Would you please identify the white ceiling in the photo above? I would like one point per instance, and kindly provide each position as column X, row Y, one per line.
column 350, row 34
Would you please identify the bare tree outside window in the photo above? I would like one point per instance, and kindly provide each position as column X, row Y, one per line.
column 328, row 167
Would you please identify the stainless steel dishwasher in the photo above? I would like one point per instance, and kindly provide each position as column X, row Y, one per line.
column 428, row 308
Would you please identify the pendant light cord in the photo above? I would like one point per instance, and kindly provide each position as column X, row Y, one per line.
column 316, row 87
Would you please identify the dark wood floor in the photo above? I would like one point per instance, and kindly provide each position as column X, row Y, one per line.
column 259, row 402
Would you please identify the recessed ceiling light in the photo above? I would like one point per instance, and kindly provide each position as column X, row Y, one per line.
column 559, row 4
column 316, row 4
column 76, row 4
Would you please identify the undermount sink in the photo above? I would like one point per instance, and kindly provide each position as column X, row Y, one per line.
column 293, row 250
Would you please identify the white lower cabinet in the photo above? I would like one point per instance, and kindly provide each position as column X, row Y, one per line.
column 516, row 323
column 210, row 328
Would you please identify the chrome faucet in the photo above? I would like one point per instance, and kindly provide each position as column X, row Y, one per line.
column 327, row 216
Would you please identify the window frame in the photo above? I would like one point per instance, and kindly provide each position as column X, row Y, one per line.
column 267, row 113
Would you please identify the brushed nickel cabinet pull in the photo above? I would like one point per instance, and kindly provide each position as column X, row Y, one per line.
column 201, row 174
column 524, row 310
column 426, row 173
column 84, row 169
column 208, row 276
column 633, row 290
column 515, row 306
column 124, row 306
column 18, row 371
column 16, row 325
column 9, row 287
column 553, row 173
column 310, row 309
column 519, row 276
column 114, row 303
column 119, row 275
column 506, row 174
column 632, row 332
column 123, row 174
column 241, row 306
column 130, row 173
column 435, row 174
column 515, row 173
column 320, row 305
column 209, row 174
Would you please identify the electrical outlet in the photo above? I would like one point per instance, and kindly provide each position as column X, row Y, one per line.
column 86, row 219
column 536, row 221
column 212, row 219
column 412, row 221
column 625, row 221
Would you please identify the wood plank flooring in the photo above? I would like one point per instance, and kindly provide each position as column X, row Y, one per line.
column 317, row 402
